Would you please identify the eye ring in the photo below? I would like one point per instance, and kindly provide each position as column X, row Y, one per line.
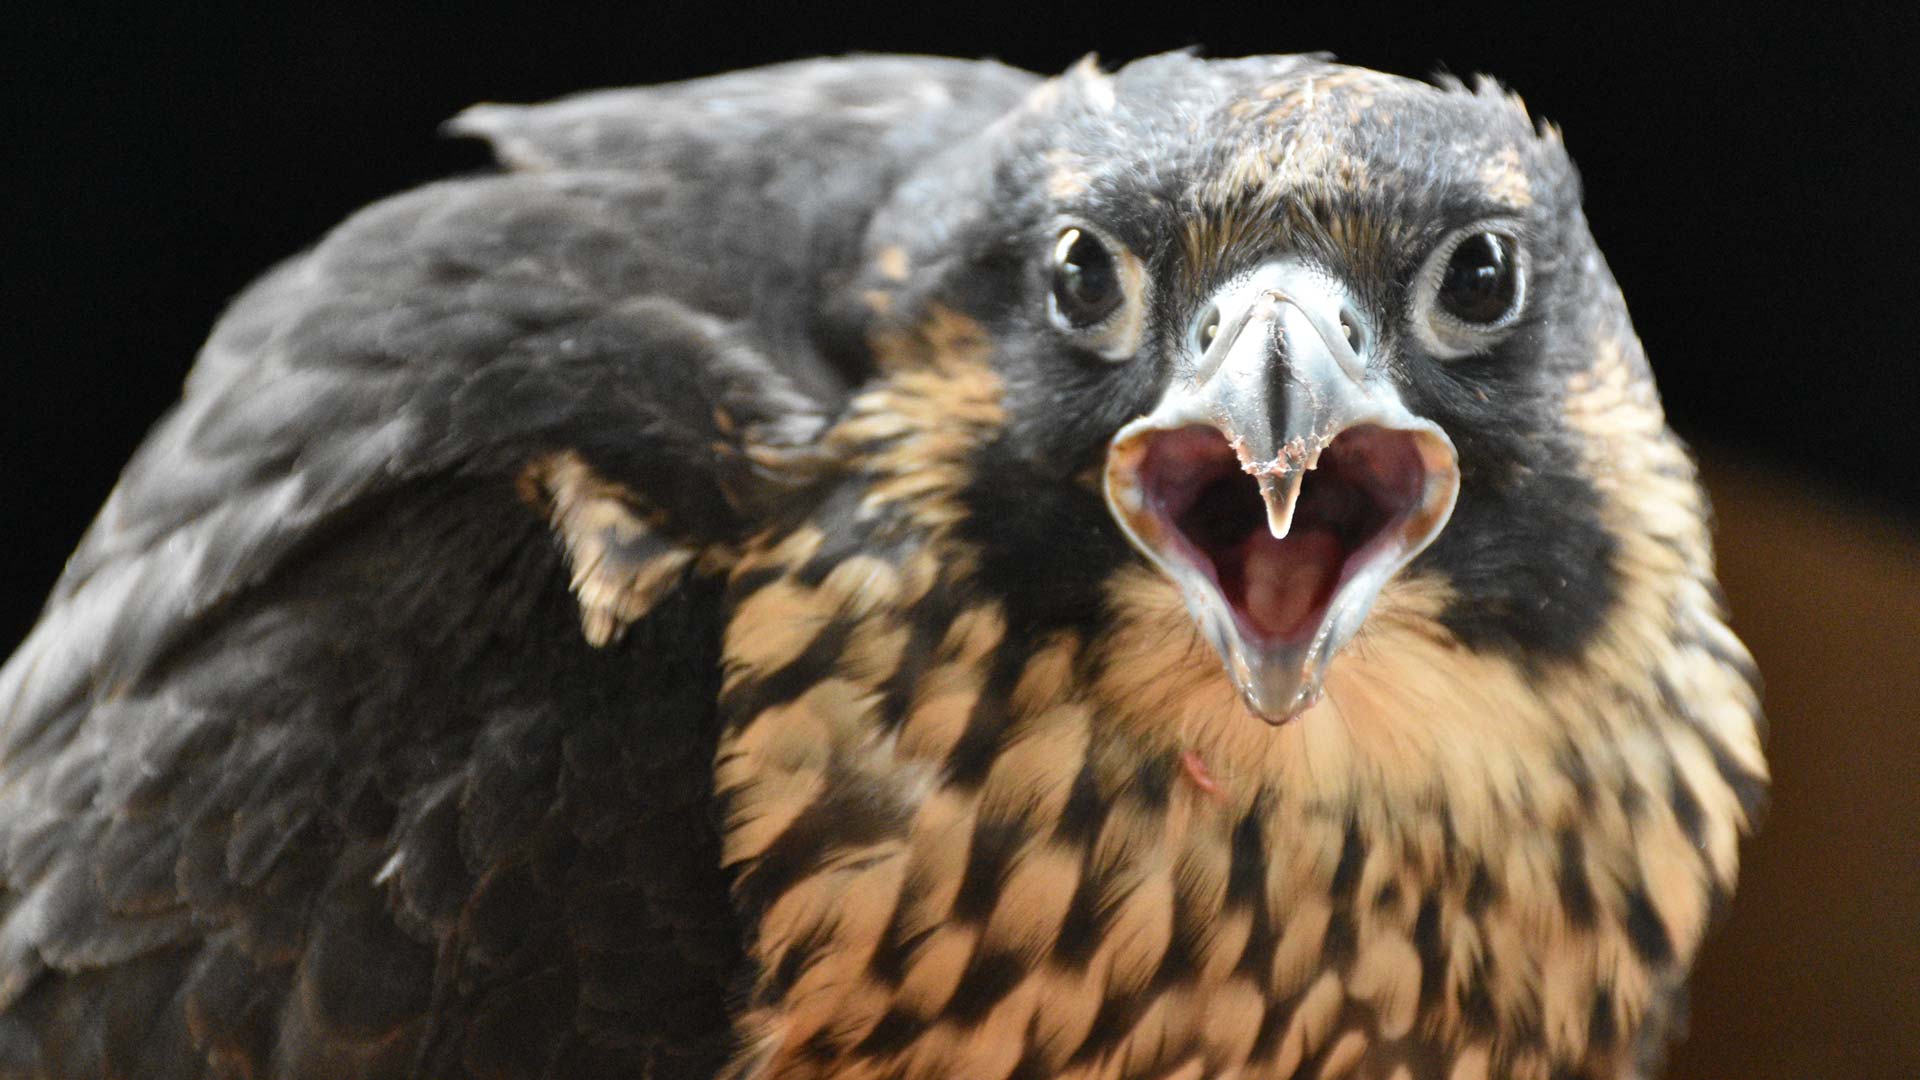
column 1471, row 289
column 1096, row 291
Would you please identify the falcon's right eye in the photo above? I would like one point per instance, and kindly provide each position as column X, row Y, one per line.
column 1086, row 280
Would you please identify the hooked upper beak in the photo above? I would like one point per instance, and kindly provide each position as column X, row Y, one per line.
column 1280, row 482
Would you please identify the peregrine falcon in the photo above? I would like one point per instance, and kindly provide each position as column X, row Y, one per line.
column 895, row 567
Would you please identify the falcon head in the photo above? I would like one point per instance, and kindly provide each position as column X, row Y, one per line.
column 1306, row 330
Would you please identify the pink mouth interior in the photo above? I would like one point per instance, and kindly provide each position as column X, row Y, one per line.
column 1367, row 483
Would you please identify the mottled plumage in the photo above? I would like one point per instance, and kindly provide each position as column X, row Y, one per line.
column 668, row 609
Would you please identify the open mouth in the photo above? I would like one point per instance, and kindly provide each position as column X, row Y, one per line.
column 1354, row 506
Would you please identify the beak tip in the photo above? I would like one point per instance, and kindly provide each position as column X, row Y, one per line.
column 1279, row 522
column 1281, row 493
column 1279, row 705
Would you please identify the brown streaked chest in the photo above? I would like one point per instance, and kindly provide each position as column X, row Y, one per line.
column 969, row 848
column 970, row 842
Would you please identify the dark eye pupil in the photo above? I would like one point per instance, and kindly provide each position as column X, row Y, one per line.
column 1086, row 283
column 1479, row 285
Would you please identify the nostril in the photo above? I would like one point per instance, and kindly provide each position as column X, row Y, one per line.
column 1354, row 331
column 1207, row 330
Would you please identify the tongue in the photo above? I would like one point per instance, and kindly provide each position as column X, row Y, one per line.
column 1288, row 581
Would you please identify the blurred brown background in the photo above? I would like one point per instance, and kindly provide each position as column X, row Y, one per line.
column 1750, row 181
column 1816, row 972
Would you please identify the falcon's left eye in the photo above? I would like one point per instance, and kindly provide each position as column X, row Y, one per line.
column 1096, row 292
column 1471, row 290
column 1086, row 279
column 1479, row 284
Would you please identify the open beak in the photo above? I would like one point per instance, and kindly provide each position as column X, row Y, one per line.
column 1280, row 483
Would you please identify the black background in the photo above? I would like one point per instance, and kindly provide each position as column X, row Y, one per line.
column 1750, row 180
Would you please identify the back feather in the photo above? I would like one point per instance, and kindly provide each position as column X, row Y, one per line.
column 316, row 764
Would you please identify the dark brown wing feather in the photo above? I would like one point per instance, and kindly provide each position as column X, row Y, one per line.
column 308, row 769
